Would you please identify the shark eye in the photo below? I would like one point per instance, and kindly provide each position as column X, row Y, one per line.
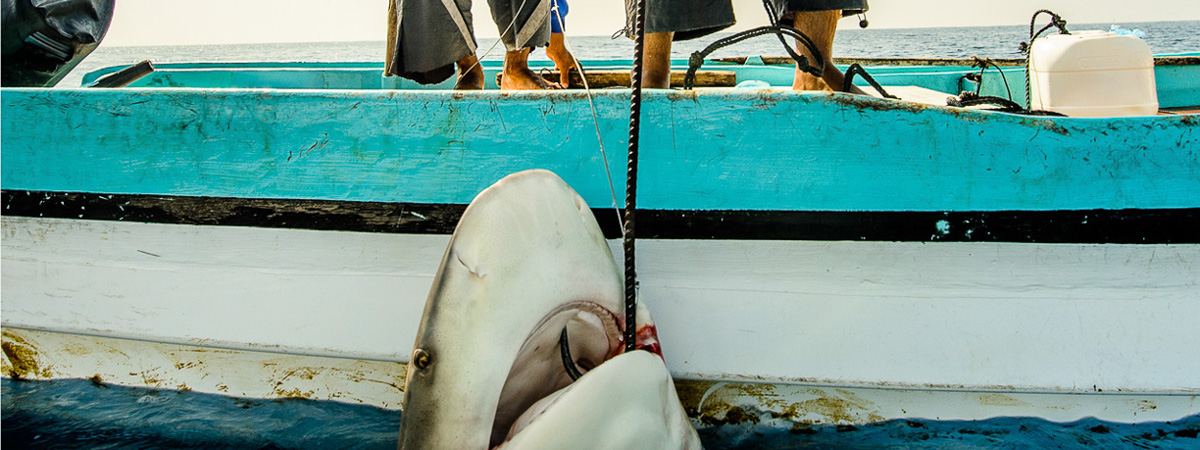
column 421, row 358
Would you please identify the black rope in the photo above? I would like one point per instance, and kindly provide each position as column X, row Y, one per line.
column 856, row 69
column 568, row 362
column 772, row 13
column 697, row 58
column 967, row 99
column 635, row 119
column 983, row 64
column 1025, row 47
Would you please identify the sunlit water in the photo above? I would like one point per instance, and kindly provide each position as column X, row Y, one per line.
column 989, row 42
column 77, row 414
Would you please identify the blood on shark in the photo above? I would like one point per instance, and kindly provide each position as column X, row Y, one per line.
column 492, row 365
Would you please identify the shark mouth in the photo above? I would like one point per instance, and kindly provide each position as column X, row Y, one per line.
column 570, row 341
column 521, row 341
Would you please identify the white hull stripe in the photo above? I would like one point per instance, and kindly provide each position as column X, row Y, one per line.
column 974, row 316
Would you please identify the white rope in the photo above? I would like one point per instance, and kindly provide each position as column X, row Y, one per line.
column 595, row 119
column 587, row 89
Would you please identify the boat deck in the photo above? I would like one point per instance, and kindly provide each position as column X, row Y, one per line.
column 1179, row 92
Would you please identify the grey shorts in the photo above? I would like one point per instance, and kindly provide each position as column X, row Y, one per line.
column 690, row 19
column 848, row 7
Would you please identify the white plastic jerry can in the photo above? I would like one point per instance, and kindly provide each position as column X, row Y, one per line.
column 1092, row 74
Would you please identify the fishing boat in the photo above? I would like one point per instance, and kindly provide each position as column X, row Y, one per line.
column 271, row 230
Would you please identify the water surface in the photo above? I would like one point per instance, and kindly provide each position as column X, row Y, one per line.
column 78, row 414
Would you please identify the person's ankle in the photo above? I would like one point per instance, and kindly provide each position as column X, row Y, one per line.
column 807, row 82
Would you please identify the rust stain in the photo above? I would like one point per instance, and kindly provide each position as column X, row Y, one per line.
column 691, row 394
column 704, row 401
column 291, row 393
column 97, row 381
column 148, row 378
column 749, row 403
column 872, row 103
column 993, row 399
column 23, row 360
column 848, row 408
column 1048, row 124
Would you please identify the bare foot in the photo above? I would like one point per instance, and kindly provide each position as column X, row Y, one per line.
column 470, row 74
column 832, row 80
column 806, row 82
column 657, row 63
column 563, row 60
column 820, row 26
column 517, row 74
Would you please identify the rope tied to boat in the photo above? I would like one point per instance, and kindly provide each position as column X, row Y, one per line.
column 635, row 118
column 1055, row 21
column 967, row 99
column 857, row 69
column 802, row 64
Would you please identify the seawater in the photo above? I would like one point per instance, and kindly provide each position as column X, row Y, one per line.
column 79, row 414
column 960, row 42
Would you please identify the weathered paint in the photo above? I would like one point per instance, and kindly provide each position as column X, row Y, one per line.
column 1003, row 318
column 1071, row 318
column 1176, row 75
column 731, row 406
column 731, row 149
column 239, row 373
column 759, row 406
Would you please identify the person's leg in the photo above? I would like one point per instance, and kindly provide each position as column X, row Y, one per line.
column 656, row 65
column 523, row 25
column 668, row 20
column 470, row 74
column 563, row 60
column 427, row 39
column 517, row 74
column 820, row 26
column 557, row 50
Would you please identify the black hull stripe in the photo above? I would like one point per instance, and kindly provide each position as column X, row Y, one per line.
column 1129, row 226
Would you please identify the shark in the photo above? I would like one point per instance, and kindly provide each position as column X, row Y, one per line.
column 521, row 342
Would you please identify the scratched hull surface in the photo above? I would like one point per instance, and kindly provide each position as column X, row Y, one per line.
column 811, row 258
column 877, row 331
column 722, row 150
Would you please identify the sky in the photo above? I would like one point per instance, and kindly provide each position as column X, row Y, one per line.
column 191, row 22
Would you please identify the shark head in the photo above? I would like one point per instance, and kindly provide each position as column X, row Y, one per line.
column 526, row 262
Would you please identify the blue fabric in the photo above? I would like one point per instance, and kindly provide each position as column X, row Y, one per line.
column 558, row 21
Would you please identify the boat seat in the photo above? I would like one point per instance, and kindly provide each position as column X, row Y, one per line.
column 916, row 94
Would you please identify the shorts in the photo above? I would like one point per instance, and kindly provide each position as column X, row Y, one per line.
column 558, row 15
column 690, row 19
column 848, row 7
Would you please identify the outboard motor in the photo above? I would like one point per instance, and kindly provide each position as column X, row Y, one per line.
column 44, row 39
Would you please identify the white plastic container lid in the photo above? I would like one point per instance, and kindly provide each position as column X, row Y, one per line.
column 1090, row 50
column 1092, row 74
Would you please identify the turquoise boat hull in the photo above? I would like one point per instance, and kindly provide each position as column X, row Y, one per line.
column 810, row 258
column 720, row 149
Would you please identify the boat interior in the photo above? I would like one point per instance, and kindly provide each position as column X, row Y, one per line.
column 924, row 81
